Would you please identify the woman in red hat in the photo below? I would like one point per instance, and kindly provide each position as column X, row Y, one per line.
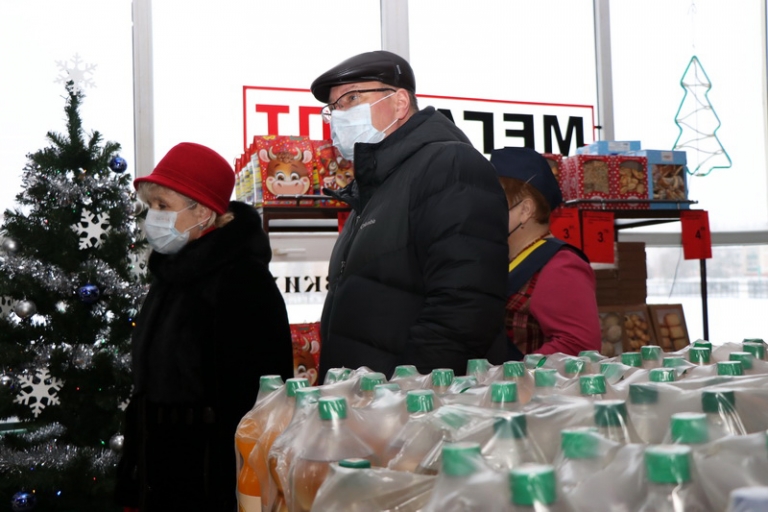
column 551, row 300
column 212, row 323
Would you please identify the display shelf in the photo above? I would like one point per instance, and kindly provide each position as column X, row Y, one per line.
column 296, row 212
column 628, row 219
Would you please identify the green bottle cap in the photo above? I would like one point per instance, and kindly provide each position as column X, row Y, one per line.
column 575, row 365
column 699, row 355
column 756, row 349
column 703, row 343
column 592, row 355
column 662, row 375
column 461, row 459
column 533, row 484
column 668, row 464
column 511, row 426
column 462, row 383
column 643, row 393
column 745, row 358
column 355, row 463
column 291, row 385
column 592, row 385
column 514, row 369
column 713, row 401
column 369, row 380
column 478, row 366
column 753, row 340
column 610, row 413
column 337, row 375
column 405, row 370
column 650, row 353
column 612, row 370
column 730, row 368
column 306, row 396
column 689, row 428
column 420, row 400
column 442, row 377
column 632, row 359
column 672, row 361
column 532, row 361
column 580, row 443
column 545, row 377
column 332, row 408
column 269, row 383
column 503, row 392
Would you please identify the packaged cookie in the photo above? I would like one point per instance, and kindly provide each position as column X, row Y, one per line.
column 667, row 178
column 632, row 181
column 588, row 177
column 612, row 330
column 669, row 325
column 638, row 328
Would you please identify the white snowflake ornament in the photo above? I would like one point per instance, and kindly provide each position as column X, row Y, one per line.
column 38, row 391
column 6, row 306
column 75, row 74
column 91, row 228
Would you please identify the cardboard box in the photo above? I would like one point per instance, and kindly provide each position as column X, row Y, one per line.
column 638, row 328
column 612, row 332
column 609, row 147
column 633, row 181
column 669, row 326
column 667, row 177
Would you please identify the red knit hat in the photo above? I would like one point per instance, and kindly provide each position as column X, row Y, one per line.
column 197, row 172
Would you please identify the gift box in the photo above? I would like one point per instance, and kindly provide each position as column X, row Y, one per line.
column 609, row 147
column 287, row 169
column 587, row 177
column 669, row 326
column 667, row 177
column 555, row 162
column 638, row 328
column 306, row 351
column 632, row 181
column 612, row 333
column 333, row 171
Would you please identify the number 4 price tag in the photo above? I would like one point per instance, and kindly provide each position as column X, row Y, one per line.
column 598, row 236
column 697, row 240
column 564, row 224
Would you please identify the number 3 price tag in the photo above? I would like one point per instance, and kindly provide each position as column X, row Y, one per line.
column 564, row 224
column 697, row 239
column 598, row 236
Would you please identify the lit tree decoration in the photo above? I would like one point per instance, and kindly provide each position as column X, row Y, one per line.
column 698, row 123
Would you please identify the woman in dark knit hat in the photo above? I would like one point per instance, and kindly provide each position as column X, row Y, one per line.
column 212, row 323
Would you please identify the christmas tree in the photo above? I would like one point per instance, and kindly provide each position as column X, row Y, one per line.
column 71, row 279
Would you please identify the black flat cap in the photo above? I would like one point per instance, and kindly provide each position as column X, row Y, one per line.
column 378, row 66
column 528, row 165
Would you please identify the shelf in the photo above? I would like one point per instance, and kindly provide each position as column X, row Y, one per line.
column 300, row 213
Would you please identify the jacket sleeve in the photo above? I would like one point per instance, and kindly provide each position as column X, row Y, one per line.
column 459, row 221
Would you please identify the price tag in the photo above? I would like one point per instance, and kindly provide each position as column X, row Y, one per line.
column 564, row 224
column 598, row 236
column 697, row 239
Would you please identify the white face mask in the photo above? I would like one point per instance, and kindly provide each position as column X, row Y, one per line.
column 162, row 235
column 348, row 127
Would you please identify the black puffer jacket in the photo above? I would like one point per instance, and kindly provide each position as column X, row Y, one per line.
column 212, row 323
column 418, row 273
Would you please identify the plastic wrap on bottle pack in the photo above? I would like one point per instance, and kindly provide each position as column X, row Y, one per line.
column 613, row 421
column 481, row 369
column 466, row 483
column 534, row 488
column 510, row 445
column 546, row 420
column 416, row 431
column 650, row 406
column 515, row 371
column 671, row 481
column 378, row 422
column 408, row 377
column 501, row 395
column 367, row 489
column 748, row 499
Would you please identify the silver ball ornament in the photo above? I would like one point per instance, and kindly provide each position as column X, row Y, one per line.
column 116, row 443
column 10, row 246
column 6, row 381
column 25, row 309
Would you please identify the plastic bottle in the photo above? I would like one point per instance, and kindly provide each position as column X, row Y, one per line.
column 514, row 371
column 441, row 379
column 280, row 455
column 643, row 409
column 703, row 344
column 248, row 432
column 670, row 489
column 574, row 367
column 613, row 421
column 748, row 499
column 633, row 359
column 479, row 368
column 592, row 386
column 334, row 375
column 672, row 362
column 689, row 428
column 754, row 348
column 510, row 446
column 368, row 382
column 331, row 442
column 534, row 488
column 662, row 375
column 544, row 380
column 466, row 484
column 407, row 376
column 720, row 407
column 745, row 358
column 419, row 402
column 503, row 395
column 533, row 361
column 699, row 355
column 462, row 384
column 451, row 421
column 651, row 356
column 580, row 457
column 730, row 368
column 592, row 355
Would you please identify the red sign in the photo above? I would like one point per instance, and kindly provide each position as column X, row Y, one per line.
column 697, row 239
column 564, row 224
column 597, row 229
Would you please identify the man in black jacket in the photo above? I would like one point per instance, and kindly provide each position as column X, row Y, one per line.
column 417, row 275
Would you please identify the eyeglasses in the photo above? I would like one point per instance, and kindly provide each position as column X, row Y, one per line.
column 348, row 100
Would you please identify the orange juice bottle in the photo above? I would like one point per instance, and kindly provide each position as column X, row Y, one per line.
column 246, row 435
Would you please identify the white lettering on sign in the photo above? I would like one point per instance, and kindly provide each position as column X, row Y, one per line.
column 489, row 124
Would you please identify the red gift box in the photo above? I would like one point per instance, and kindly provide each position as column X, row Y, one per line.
column 632, row 181
column 588, row 177
column 555, row 162
column 287, row 169
column 333, row 171
column 306, row 351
